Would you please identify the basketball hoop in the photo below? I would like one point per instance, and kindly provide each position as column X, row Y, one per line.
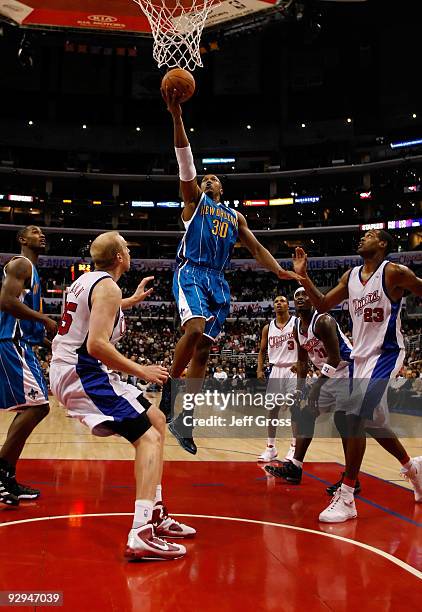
column 176, row 27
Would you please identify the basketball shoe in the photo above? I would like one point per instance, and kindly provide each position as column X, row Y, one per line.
column 288, row 471
column 183, row 434
column 269, row 454
column 143, row 543
column 167, row 527
column 333, row 488
column 414, row 475
column 341, row 508
column 7, row 496
column 291, row 452
column 20, row 490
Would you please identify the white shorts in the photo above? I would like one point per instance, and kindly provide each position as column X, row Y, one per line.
column 282, row 380
column 335, row 393
column 371, row 379
column 95, row 396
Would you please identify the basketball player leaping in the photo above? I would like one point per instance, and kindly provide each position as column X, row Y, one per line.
column 374, row 291
column 277, row 340
column 22, row 385
column 81, row 377
column 201, row 291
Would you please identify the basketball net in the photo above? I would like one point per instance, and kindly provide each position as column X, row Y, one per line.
column 176, row 27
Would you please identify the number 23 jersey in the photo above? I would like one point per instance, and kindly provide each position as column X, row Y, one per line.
column 376, row 319
column 69, row 346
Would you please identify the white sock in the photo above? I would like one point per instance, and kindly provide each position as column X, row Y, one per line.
column 143, row 512
column 407, row 465
column 297, row 463
column 348, row 490
column 270, row 441
column 158, row 499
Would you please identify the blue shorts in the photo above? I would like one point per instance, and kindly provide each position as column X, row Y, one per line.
column 21, row 379
column 202, row 292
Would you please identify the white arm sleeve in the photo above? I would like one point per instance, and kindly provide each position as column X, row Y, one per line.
column 187, row 170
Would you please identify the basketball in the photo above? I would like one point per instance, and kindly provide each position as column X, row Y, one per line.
column 181, row 80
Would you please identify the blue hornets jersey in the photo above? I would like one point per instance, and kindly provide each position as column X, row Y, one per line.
column 16, row 329
column 210, row 235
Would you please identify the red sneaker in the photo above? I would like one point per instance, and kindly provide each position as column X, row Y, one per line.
column 168, row 527
column 143, row 543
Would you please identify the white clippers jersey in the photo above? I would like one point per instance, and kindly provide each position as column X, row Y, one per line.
column 69, row 346
column 282, row 349
column 315, row 347
column 375, row 318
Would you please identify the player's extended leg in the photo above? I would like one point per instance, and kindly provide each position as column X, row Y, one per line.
column 411, row 468
column 142, row 540
column 20, row 429
column 165, row 525
column 183, row 354
column 340, row 421
column 194, row 382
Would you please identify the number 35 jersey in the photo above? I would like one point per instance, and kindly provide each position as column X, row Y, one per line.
column 210, row 235
column 70, row 344
column 376, row 319
column 315, row 348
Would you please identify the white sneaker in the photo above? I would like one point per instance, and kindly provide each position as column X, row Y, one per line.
column 142, row 543
column 291, row 452
column 414, row 476
column 166, row 526
column 342, row 508
column 269, row 454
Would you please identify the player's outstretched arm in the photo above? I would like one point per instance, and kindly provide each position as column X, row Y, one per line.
column 403, row 277
column 139, row 295
column 19, row 272
column 260, row 253
column 322, row 302
column 191, row 192
column 105, row 303
column 262, row 353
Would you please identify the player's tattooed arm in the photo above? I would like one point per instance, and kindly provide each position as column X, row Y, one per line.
column 260, row 253
column 400, row 278
column 19, row 272
column 262, row 353
column 322, row 302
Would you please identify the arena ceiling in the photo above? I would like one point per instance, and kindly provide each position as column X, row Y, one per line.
column 117, row 15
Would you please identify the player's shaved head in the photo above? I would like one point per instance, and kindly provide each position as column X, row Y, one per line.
column 105, row 249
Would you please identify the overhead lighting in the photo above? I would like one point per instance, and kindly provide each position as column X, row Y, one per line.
column 248, row 127
column 191, row 129
column 138, row 129
column 67, row 201
column 303, row 125
column 349, row 120
column 414, row 115
column 96, row 202
column 406, row 143
column 84, row 126
column 30, row 122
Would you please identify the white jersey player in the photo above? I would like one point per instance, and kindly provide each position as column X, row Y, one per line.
column 374, row 292
column 277, row 340
column 81, row 377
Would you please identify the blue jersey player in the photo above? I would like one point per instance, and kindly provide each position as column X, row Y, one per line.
column 201, row 291
column 22, row 386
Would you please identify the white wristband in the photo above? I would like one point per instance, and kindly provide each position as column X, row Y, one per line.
column 328, row 371
column 187, row 170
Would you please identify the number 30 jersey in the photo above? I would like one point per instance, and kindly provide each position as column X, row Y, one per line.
column 69, row 346
column 210, row 235
column 376, row 319
column 315, row 347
